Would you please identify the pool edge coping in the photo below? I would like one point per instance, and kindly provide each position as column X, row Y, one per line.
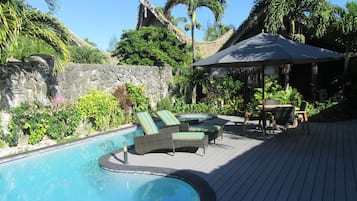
column 25, row 154
column 204, row 190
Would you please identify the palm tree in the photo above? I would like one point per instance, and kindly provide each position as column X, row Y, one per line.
column 216, row 6
column 345, row 23
column 315, row 15
column 17, row 17
column 216, row 31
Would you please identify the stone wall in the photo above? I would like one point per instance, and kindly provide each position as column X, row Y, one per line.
column 33, row 80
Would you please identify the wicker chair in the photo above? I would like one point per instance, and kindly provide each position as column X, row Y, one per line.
column 213, row 131
column 166, row 138
column 303, row 116
column 284, row 118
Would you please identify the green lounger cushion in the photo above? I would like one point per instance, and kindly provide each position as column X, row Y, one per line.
column 168, row 118
column 188, row 135
column 147, row 123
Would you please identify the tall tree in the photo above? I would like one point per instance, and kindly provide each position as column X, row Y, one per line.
column 315, row 15
column 345, row 23
column 16, row 17
column 216, row 31
column 216, row 6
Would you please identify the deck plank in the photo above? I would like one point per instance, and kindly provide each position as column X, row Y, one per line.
column 302, row 167
column 329, row 191
column 318, row 187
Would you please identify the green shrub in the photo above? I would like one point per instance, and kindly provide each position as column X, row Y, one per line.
column 28, row 119
column 224, row 94
column 25, row 47
column 140, row 100
column 101, row 109
column 2, row 143
column 63, row 121
column 151, row 46
column 12, row 138
column 37, row 130
column 36, row 120
column 164, row 104
column 273, row 90
column 87, row 55
column 181, row 107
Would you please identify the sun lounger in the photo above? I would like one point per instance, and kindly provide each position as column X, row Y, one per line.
column 213, row 131
column 167, row 138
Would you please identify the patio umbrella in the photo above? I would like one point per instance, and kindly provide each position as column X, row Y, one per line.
column 267, row 49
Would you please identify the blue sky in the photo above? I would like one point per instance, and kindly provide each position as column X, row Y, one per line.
column 103, row 20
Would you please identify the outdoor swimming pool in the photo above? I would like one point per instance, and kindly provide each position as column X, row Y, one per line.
column 71, row 172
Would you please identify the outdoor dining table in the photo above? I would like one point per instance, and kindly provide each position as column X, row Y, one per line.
column 269, row 108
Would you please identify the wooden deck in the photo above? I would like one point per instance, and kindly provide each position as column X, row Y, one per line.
column 320, row 166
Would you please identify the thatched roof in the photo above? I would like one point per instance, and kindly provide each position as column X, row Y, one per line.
column 76, row 41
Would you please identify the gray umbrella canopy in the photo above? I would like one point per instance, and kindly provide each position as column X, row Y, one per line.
column 267, row 49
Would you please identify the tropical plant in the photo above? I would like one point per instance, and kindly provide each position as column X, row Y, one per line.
column 152, row 46
column 315, row 15
column 180, row 106
column 37, row 121
column 164, row 104
column 345, row 23
column 216, row 6
column 2, row 143
column 101, row 109
column 63, row 120
column 188, row 81
column 87, row 55
column 216, row 31
column 226, row 94
column 273, row 90
column 17, row 17
column 25, row 47
column 140, row 100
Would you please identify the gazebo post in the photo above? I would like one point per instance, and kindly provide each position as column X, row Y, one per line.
column 263, row 101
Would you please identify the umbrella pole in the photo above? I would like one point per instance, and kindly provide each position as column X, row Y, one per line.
column 263, row 102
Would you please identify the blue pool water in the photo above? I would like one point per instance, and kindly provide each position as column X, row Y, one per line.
column 72, row 173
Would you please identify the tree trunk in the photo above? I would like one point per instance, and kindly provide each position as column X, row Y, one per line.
column 194, row 94
column 193, row 42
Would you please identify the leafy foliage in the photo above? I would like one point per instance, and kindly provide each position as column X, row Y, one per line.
column 217, row 8
column 164, row 104
column 63, row 120
column 345, row 23
column 140, row 100
column 18, row 18
column 87, row 55
column 316, row 15
column 36, row 120
column 26, row 46
column 273, row 90
column 216, row 31
column 226, row 94
column 181, row 107
column 151, row 46
column 2, row 143
column 101, row 109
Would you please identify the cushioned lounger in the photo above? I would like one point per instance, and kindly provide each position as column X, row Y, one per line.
column 165, row 138
column 212, row 130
